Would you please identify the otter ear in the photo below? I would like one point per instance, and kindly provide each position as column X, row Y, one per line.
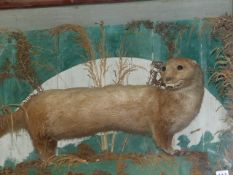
column 194, row 62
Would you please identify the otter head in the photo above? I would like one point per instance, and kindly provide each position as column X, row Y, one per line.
column 180, row 73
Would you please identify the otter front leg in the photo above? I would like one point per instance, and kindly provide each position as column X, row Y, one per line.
column 45, row 146
column 163, row 139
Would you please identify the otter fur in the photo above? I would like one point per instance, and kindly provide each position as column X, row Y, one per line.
column 77, row 112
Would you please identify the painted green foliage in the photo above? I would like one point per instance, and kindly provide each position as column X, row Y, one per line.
column 153, row 41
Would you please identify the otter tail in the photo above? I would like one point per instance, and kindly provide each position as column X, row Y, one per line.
column 13, row 121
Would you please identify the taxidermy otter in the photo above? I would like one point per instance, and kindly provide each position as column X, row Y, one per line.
column 72, row 113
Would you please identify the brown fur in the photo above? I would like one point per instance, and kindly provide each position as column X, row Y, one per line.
column 78, row 112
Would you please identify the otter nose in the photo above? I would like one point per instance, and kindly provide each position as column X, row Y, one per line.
column 168, row 79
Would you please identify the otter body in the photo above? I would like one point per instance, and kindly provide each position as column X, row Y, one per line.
column 72, row 113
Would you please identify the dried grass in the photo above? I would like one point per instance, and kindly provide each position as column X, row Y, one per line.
column 68, row 160
column 71, row 160
column 223, row 70
column 135, row 25
column 6, row 110
column 6, row 71
column 140, row 160
column 120, row 168
column 125, row 142
column 168, row 32
column 82, row 37
column 155, row 77
column 123, row 69
column 22, row 169
column 23, row 69
column 97, row 72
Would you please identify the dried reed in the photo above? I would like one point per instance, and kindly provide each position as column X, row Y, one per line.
column 75, row 160
column 168, row 31
column 23, row 69
column 97, row 72
column 64, row 159
column 82, row 38
column 6, row 71
column 223, row 70
column 135, row 25
column 139, row 159
column 123, row 69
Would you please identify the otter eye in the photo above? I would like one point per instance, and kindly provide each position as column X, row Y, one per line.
column 179, row 67
column 164, row 68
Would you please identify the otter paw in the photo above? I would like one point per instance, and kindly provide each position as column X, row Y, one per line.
column 177, row 152
column 182, row 153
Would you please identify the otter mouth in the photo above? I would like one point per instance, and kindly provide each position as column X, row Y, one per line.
column 177, row 85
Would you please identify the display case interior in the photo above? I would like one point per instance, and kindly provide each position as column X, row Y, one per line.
column 128, row 45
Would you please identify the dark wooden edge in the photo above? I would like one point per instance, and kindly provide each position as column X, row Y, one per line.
column 9, row 4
